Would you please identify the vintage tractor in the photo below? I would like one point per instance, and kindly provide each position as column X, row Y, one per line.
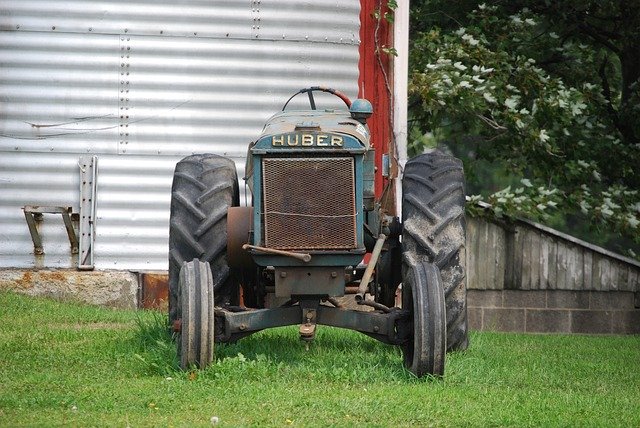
column 314, row 216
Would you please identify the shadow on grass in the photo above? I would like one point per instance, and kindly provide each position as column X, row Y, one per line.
column 334, row 354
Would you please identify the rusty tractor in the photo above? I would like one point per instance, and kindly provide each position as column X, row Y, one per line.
column 287, row 258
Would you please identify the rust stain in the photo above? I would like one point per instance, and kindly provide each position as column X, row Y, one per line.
column 155, row 291
column 26, row 281
column 53, row 276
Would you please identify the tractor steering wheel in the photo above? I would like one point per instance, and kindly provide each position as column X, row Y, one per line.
column 312, row 101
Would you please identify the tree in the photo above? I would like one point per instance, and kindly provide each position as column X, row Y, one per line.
column 549, row 90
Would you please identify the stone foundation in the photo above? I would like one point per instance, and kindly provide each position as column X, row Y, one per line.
column 117, row 289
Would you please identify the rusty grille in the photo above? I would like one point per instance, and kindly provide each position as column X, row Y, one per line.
column 309, row 203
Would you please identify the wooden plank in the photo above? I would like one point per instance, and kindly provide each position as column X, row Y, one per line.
column 579, row 242
column 485, row 260
column 569, row 258
column 480, row 248
column 536, row 262
column 574, row 268
column 510, row 261
column 633, row 279
column 587, row 269
column 622, row 275
column 518, row 257
column 490, row 254
column 561, row 276
column 548, row 259
column 500, row 257
column 544, row 263
column 553, row 263
column 604, row 268
column 496, row 274
column 612, row 276
column 472, row 239
column 494, row 232
column 525, row 248
column 578, row 284
column 528, row 258
column 596, row 281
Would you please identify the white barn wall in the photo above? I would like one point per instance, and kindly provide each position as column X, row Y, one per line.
column 141, row 84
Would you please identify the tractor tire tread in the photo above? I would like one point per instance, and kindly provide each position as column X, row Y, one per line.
column 204, row 187
column 434, row 230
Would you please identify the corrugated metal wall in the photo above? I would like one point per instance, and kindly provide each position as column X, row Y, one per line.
column 140, row 84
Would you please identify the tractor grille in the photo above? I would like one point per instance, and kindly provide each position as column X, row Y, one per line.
column 309, row 203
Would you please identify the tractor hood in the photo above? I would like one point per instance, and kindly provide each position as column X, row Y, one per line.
column 309, row 131
column 313, row 129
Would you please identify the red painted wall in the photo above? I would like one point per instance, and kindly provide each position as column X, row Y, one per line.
column 372, row 83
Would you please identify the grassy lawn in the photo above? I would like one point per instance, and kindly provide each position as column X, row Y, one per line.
column 70, row 364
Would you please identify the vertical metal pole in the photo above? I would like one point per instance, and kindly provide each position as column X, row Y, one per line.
column 71, row 233
column 88, row 175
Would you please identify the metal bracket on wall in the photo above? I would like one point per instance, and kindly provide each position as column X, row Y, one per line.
column 386, row 165
column 34, row 215
column 88, row 175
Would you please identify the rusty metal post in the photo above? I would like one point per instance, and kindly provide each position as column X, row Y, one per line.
column 364, row 282
column 33, row 231
column 33, row 214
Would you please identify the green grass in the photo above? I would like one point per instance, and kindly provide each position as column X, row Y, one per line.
column 69, row 364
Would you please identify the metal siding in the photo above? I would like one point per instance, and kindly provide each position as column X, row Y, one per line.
column 309, row 20
column 132, row 226
column 316, row 20
column 141, row 84
column 48, row 179
column 132, row 210
column 218, row 94
column 59, row 92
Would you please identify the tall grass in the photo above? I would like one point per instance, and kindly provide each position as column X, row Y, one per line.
column 69, row 364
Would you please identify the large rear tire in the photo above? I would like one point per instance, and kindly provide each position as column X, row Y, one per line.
column 196, row 311
column 204, row 187
column 423, row 295
column 434, row 231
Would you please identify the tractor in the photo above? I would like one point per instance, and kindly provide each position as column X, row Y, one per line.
column 292, row 256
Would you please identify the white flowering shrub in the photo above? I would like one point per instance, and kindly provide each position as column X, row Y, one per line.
column 524, row 201
column 483, row 80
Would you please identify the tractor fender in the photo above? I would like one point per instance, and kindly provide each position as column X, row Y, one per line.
column 238, row 231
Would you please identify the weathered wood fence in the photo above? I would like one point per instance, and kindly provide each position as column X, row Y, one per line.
column 523, row 276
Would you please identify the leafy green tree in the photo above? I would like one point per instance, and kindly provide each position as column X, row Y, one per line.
column 549, row 90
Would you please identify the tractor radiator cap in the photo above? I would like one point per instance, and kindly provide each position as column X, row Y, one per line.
column 361, row 110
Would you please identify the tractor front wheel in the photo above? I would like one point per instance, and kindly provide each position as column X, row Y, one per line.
column 195, row 339
column 423, row 295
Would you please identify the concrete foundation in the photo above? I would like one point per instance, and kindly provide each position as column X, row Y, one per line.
column 115, row 289
column 530, row 311
column 554, row 311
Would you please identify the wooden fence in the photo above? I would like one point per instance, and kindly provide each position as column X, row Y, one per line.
column 529, row 256
column 523, row 276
